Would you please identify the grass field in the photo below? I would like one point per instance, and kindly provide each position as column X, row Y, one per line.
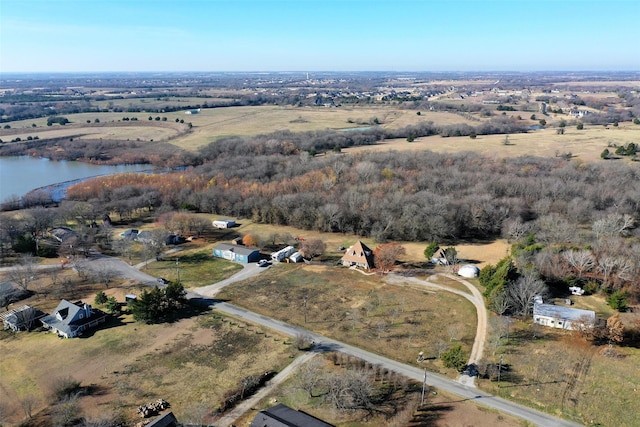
column 396, row 321
column 212, row 124
column 189, row 362
column 560, row 374
column 586, row 144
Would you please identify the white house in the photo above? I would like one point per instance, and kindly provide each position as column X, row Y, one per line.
column 556, row 316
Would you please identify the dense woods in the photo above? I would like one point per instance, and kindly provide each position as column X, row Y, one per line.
column 550, row 208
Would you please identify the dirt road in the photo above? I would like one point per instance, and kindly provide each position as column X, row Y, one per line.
column 475, row 298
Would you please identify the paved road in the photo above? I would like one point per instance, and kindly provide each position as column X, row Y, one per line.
column 248, row 270
column 327, row 344
column 415, row 373
column 246, row 405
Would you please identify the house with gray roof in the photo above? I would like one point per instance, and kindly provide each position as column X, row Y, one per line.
column 283, row 416
column 21, row 318
column 556, row 316
column 70, row 320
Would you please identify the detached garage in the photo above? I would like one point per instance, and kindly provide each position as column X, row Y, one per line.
column 236, row 253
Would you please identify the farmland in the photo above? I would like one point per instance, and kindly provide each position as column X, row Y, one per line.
column 490, row 171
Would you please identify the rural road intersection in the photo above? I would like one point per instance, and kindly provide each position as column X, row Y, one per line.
column 204, row 296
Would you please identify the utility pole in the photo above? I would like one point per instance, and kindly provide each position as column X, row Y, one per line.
column 304, row 304
column 424, row 381
column 500, row 368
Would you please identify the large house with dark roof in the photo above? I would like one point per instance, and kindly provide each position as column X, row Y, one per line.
column 283, row 416
column 358, row 255
column 70, row 320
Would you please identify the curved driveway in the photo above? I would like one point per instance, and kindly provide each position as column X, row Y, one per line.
column 327, row 344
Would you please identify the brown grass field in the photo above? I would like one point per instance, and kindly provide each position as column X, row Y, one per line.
column 396, row 321
column 559, row 373
column 584, row 145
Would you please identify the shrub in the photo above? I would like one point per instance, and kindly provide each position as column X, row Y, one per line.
column 65, row 388
column 430, row 250
column 100, row 298
column 454, row 358
column 618, row 300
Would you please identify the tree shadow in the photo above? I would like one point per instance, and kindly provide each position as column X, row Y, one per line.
column 110, row 322
column 428, row 415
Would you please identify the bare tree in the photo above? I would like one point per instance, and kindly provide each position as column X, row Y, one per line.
column 310, row 377
column 312, row 247
column 104, row 273
column 613, row 225
column 25, row 318
column 523, row 292
column 28, row 403
column 24, row 272
column 606, row 265
column 124, row 247
column 499, row 302
column 582, row 260
column 40, row 220
column 154, row 245
column 515, row 229
column 385, row 256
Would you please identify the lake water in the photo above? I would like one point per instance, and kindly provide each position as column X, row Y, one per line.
column 19, row 175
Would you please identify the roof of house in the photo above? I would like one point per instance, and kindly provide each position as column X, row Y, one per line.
column 62, row 233
column 164, row 420
column 359, row 253
column 242, row 250
column 283, row 416
column 560, row 312
column 66, row 317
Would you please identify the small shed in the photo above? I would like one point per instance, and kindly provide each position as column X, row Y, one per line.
column 469, row 271
column 295, row 257
column 236, row 253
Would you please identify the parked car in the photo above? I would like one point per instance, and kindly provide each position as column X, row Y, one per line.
column 163, row 280
column 263, row 263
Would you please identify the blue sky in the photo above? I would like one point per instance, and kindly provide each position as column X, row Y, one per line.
column 310, row 35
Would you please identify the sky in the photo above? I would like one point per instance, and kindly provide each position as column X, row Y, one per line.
column 326, row 35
